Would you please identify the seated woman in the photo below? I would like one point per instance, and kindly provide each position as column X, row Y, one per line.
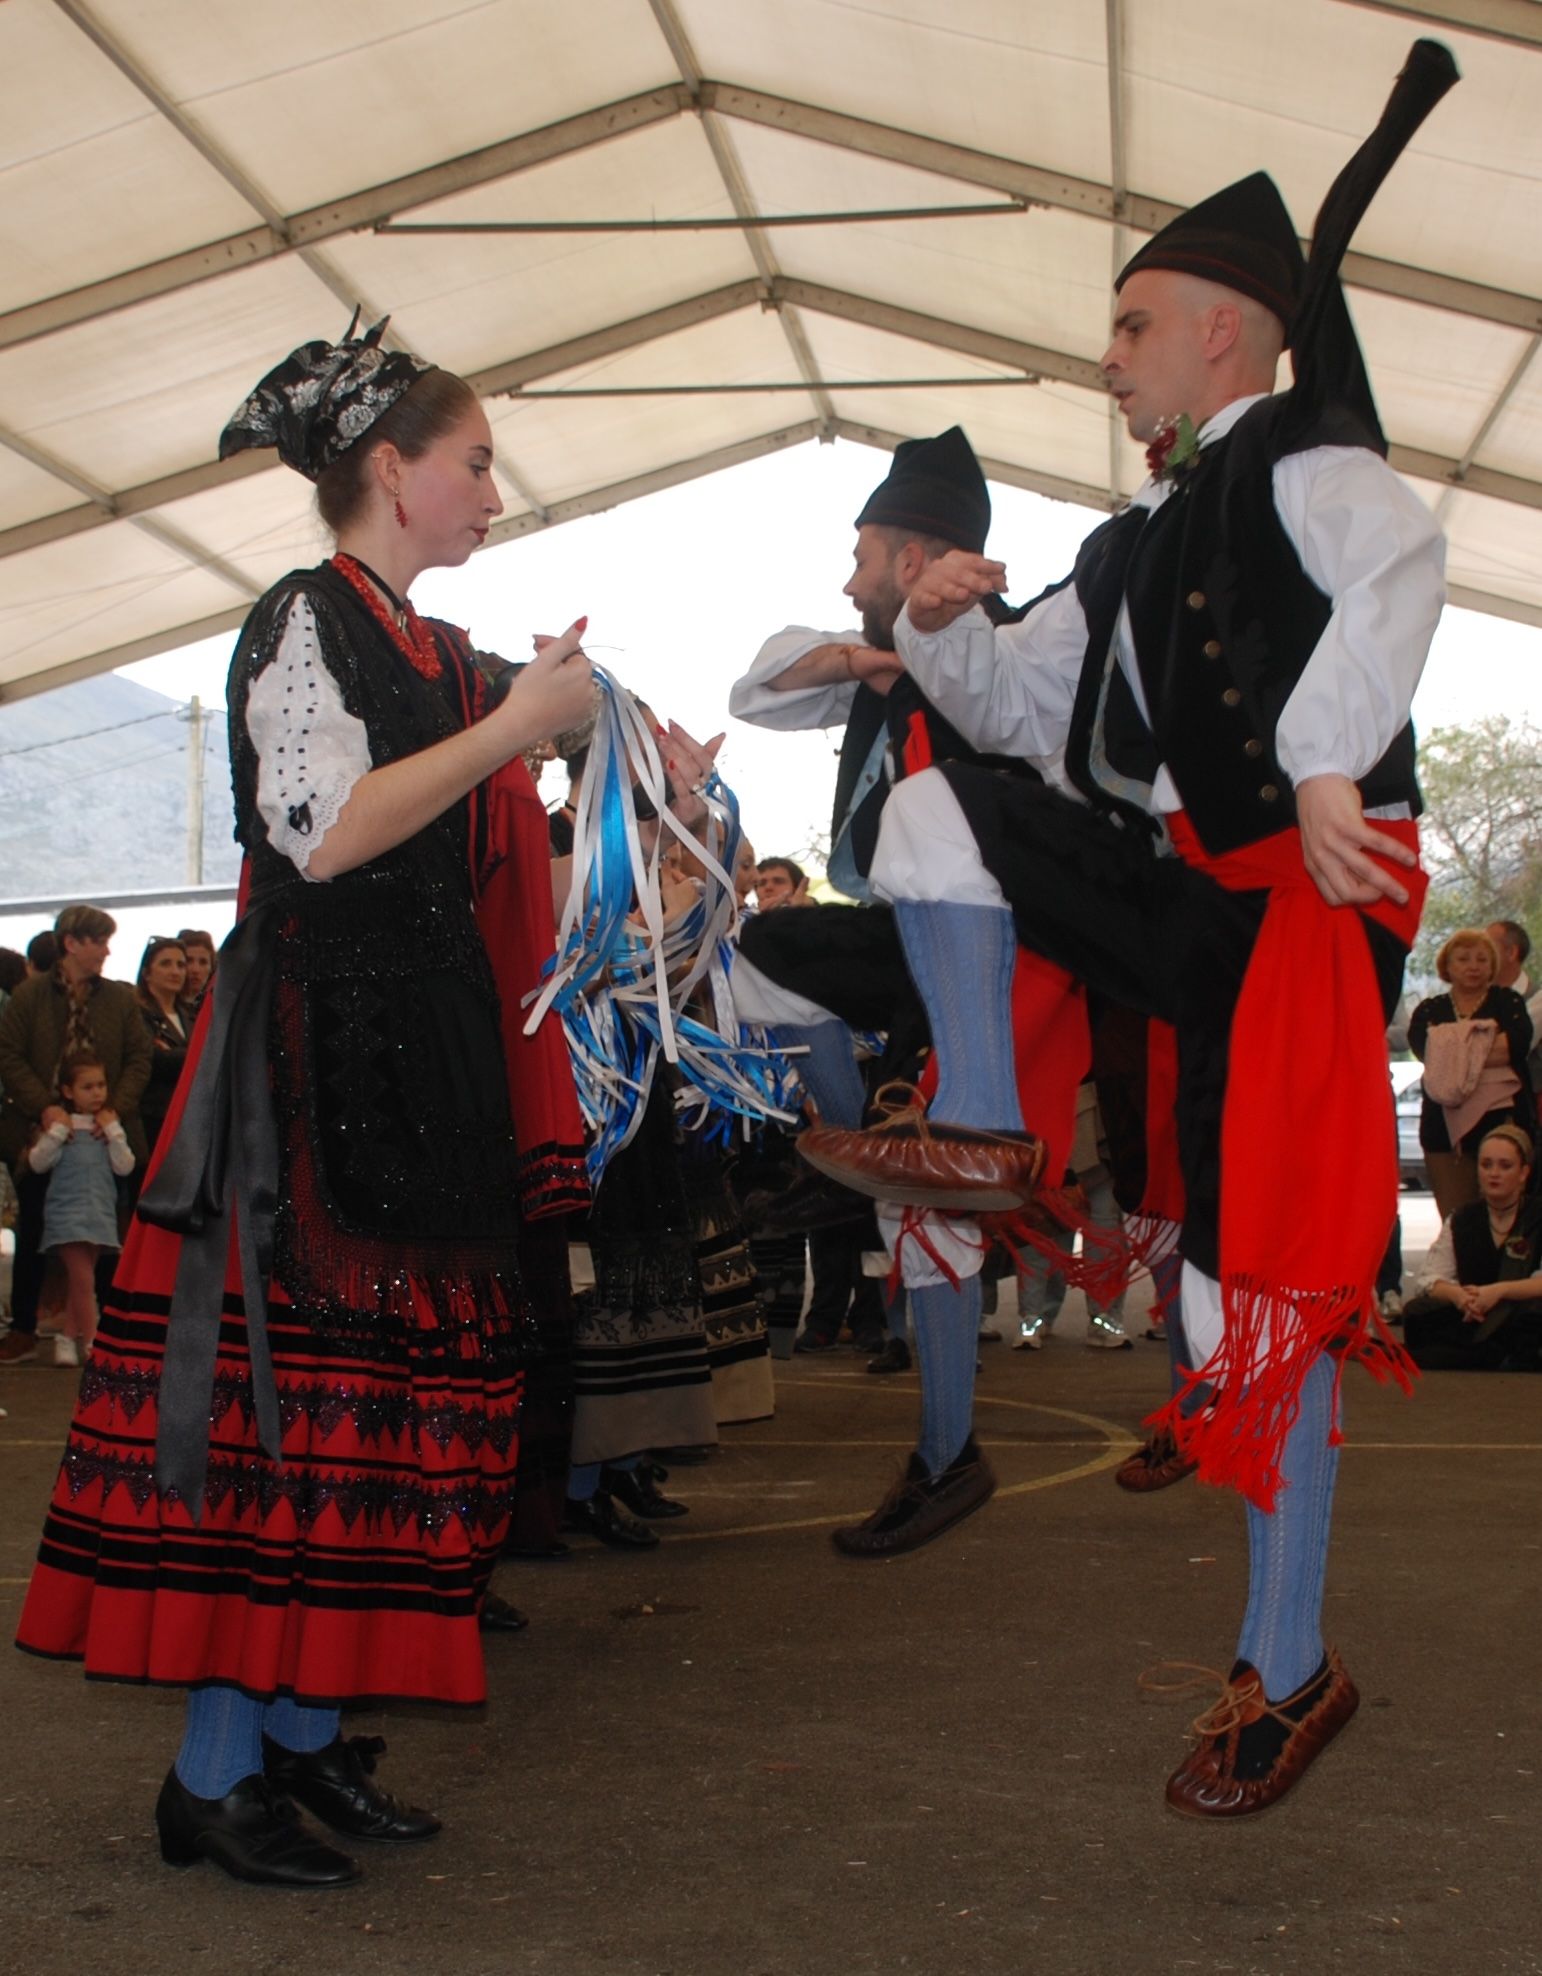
column 1450, row 1133
column 1481, row 1304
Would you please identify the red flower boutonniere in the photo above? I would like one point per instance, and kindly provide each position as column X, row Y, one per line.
column 1174, row 450
column 1518, row 1247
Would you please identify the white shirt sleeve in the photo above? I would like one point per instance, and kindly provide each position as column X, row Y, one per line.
column 1008, row 690
column 1372, row 547
column 310, row 749
column 755, row 700
column 120, row 1153
column 1440, row 1262
column 43, row 1154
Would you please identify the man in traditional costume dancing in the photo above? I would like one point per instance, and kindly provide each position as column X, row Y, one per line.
column 1230, row 670
column 813, row 978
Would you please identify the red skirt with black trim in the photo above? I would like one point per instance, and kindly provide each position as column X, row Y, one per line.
column 353, row 1569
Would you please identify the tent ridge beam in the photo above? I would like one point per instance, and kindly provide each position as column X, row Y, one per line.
column 1036, row 185
column 1084, row 493
column 354, row 213
column 1032, row 185
column 731, row 172
column 1009, row 352
column 1517, row 21
column 489, row 383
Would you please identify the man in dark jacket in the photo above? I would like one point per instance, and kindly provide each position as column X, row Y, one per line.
column 69, row 1008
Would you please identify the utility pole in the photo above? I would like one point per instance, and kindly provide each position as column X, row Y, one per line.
column 195, row 792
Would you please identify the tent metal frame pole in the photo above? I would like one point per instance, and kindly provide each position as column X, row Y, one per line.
column 1032, row 360
column 1031, row 185
column 1480, row 438
column 730, row 170
column 1119, row 199
column 1517, row 21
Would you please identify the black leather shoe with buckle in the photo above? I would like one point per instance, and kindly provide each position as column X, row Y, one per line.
column 338, row 1786
column 253, row 1832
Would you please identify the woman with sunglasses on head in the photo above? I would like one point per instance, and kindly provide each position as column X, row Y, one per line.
column 301, row 1476
column 200, row 951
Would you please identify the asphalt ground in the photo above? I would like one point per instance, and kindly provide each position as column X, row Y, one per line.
column 743, row 1754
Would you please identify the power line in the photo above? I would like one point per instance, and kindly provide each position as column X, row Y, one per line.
column 112, row 727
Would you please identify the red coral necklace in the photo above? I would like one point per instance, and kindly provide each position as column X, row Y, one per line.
column 403, row 626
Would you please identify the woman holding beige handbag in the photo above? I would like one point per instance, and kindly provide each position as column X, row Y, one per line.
column 1473, row 1042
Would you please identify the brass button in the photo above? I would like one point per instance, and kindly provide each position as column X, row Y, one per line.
column 1268, row 794
column 1211, row 648
column 1231, row 697
column 1254, row 747
column 1195, row 600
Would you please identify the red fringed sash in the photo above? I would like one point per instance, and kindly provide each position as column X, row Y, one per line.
column 1308, row 1158
column 511, row 888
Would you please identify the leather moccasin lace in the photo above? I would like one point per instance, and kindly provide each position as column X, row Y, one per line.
column 1248, row 1750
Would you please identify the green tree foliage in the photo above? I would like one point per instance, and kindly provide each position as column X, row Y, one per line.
column 1481, row 831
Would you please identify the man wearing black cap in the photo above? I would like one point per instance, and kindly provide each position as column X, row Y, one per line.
column 812, row 978
column 1229, row 670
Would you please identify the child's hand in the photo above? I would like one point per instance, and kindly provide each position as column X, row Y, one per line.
column 54, row 1115
column 100, row 1123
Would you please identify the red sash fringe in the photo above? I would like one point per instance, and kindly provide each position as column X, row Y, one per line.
column 1308, row 1157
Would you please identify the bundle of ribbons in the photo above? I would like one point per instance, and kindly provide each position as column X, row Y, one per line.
column 631, row 986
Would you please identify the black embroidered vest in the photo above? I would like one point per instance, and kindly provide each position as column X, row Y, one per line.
column 1224, row 620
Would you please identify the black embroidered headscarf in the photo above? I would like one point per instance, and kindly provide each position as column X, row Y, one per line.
column 322, row 399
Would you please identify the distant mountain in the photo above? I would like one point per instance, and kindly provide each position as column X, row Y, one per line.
column 93, row 792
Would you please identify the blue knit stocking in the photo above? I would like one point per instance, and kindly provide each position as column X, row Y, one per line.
column 1288, row 1549
column 962, row 959
column 303, row 1730
column 947, row 1325
column 221, row 1742
column 828, row 1069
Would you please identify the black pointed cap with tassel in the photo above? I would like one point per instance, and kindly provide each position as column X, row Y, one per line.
column 1241, row 236
column 1330, row 375
column 936, row 487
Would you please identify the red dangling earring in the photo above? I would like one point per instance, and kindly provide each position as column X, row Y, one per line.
column 401, row 513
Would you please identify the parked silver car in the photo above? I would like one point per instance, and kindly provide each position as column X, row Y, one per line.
column 1408, row 1095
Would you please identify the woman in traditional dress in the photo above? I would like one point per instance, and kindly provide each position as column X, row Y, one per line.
column 289, row 1473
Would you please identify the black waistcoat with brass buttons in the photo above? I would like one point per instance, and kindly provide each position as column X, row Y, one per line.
column 1224, row 620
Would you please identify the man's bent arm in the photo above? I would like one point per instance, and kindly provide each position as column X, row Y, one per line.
column 1008, row 690
column 797, row 681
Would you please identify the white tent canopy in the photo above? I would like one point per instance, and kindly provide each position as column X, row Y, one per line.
column 189, row 188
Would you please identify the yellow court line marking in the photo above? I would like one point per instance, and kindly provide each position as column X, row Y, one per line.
column 682, row 1476
column 1116, row 1443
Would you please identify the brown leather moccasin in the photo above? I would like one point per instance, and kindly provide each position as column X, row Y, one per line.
column 1158, row 1465
column 1251, row 1751
column 921, row 1506
column 917, row 1162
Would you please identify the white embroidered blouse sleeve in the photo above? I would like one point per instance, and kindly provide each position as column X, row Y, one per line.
column 310, row 749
